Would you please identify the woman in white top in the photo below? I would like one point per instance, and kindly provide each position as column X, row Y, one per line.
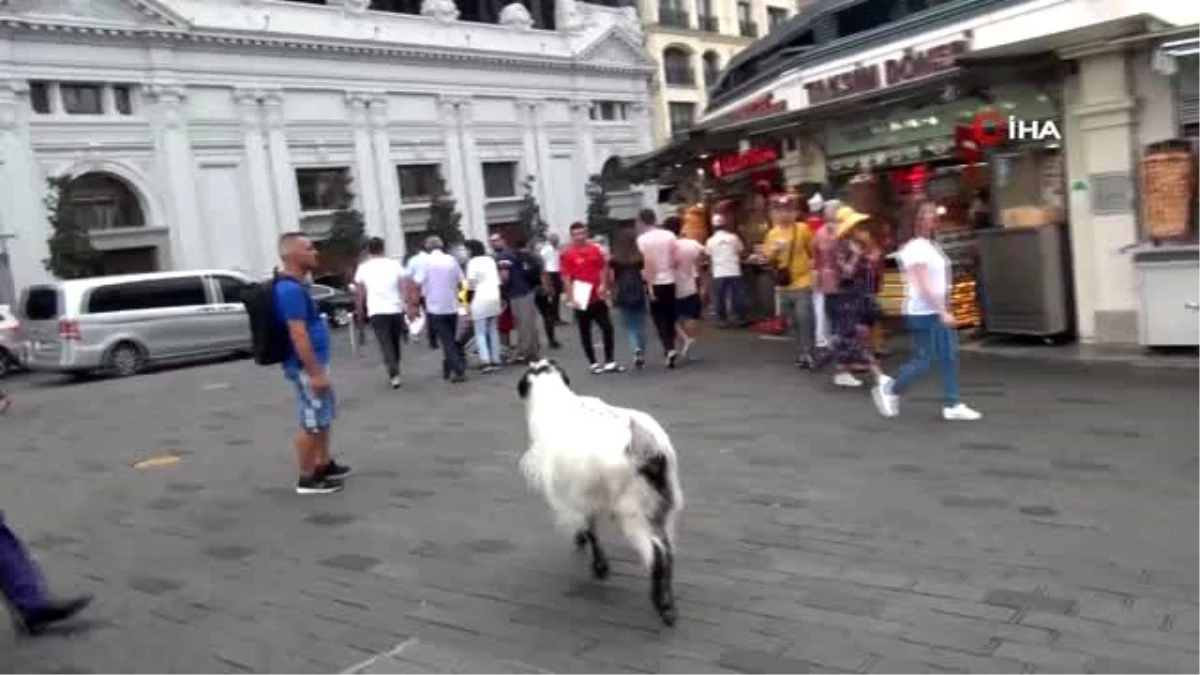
column 483, row 280
column 927, row 278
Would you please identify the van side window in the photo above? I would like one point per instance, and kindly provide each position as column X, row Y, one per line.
column 149, row 294
column 231, row 288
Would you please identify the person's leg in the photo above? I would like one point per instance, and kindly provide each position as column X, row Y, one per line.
column 945, row 344
column 802, row 308
column 820, row 322
column 316, row 413
column 493, row 337
column 546, row 310
column 399, row 328
column 922, row 328
column 604, row 320
column 382, row 328
column 445, row 325
column 583, row 319
column 722, row 288
column 663, row 309
column 556, row 292
column 481, row 342
column 739, row 299
column 526, row 316
column 20, row 579
column 433, row 340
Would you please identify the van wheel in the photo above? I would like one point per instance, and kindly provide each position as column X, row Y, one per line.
column 125, row 359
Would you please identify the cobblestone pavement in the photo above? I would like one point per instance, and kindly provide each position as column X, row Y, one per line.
column 1059, row 534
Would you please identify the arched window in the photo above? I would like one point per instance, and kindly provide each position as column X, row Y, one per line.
column 101, row 201
column 712, row 68
column 677, row 67
column 612, row 176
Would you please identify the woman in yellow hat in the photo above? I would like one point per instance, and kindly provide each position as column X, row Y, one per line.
column 854, row 307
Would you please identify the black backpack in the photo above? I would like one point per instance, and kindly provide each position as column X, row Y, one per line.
column 270, row 342
column 532, row 264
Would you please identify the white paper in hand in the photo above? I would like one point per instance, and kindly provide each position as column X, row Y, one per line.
column 416, row 324
column 581, row 293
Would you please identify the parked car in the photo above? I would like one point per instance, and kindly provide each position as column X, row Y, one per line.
column 121, row 324
column 336, row 305
column 14, row 343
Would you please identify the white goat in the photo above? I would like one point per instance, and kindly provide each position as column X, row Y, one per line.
column 591, row 459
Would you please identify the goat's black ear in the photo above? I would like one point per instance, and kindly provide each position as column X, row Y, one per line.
column 523, row 386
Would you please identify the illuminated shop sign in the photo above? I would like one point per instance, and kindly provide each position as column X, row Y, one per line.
column 754, row 158
column 911, row 65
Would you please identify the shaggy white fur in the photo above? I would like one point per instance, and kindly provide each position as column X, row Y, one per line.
column 590, row 459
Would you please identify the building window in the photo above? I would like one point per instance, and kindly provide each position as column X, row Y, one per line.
column 123, row 99
column 682, row 115
column 82, row 99
column 707, row 17
column 776, row 16
column 677, row 67
column 39, row 97
column 323, row 189
column 499, row 179
column 610, row 111
column 673, row 14
column 712, row 68
column 100, row 201
column 419, row 182
column 397, row 6
column 746, row 25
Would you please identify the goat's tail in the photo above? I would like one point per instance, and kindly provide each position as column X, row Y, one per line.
column 658, row 465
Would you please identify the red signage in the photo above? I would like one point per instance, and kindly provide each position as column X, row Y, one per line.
column 988, row 129
column 911, row 65
column 751, row 159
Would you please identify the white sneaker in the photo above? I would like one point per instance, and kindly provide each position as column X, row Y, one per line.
column 844, row 379
column 396, row 382
column 887, row 403
column 961, row 412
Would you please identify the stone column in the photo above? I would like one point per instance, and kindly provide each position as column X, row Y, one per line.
column 643, row 132
column 557, row 220
column 387, row 179
column 1103, row 122
column 258, row 175
column 463, row 157
column 533, row 161
column 453, row 171
column 584, row 155
column 365, row 185
column 283, row 174
column 23, row 226
column 188, row 246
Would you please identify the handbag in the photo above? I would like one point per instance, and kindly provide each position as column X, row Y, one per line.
column 783, row 276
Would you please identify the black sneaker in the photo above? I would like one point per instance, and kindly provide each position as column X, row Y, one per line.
column 671, row 357
column 639, row 359
column 52, row 612
column 335, row 471
column 317, row 485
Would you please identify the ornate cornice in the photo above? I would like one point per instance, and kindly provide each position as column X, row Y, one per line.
column 184, row 36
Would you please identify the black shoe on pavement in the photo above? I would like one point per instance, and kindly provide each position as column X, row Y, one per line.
column 335, row 471
column 317, row 485
column 53, row 612
column 639, row 359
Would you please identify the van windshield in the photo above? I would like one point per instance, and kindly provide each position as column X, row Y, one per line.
column 41, row 303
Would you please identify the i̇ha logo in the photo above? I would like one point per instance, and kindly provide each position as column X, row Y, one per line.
column 990, row 128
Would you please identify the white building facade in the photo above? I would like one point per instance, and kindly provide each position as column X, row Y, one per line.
column 197, row 131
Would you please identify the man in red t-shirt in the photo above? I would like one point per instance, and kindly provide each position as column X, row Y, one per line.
column 584, row 270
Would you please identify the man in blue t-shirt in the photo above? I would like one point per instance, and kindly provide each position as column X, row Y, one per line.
column 518, row 283
column 307, row 366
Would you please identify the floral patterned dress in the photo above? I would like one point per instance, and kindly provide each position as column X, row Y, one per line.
column 854, row 307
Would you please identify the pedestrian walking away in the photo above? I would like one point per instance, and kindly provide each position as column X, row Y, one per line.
column 515, row 278
column 24, row 587
column 379, row 294
column 658, row 249
column 630, row 294
column 415, row 266
column 439, row 284
column 927, row 275
column 823, row 226
column 585, row 276
column 788, row 246
column 854, row 309
column 551, row 258
column 689, row 256
column 307, row 366
column 726, row 250
column 483, row 280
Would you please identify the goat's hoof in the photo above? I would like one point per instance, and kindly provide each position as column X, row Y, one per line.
column 667, row 614
column 600, row 570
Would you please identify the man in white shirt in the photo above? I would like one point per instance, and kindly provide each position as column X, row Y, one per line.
column 726, row 251
column 415, row 269
column 379, row 294
column 551, row 260
column 439, row 282
column 658, row 249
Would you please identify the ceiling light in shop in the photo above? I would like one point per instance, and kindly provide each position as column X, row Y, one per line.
column 941, row 210
column 895, row 126
column 932, row 120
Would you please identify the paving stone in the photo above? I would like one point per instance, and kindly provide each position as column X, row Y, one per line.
column 1030, row 602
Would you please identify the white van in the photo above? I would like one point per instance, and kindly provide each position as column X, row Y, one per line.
column 120, row 324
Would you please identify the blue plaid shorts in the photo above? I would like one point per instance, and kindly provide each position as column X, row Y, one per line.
column 316, row 412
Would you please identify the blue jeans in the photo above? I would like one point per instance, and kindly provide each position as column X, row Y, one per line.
column 634, row 319
column 20, row 579
column 315, row 411
column 932, row 340
column 445, row 328
column 487, row 340
column 730, row 291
